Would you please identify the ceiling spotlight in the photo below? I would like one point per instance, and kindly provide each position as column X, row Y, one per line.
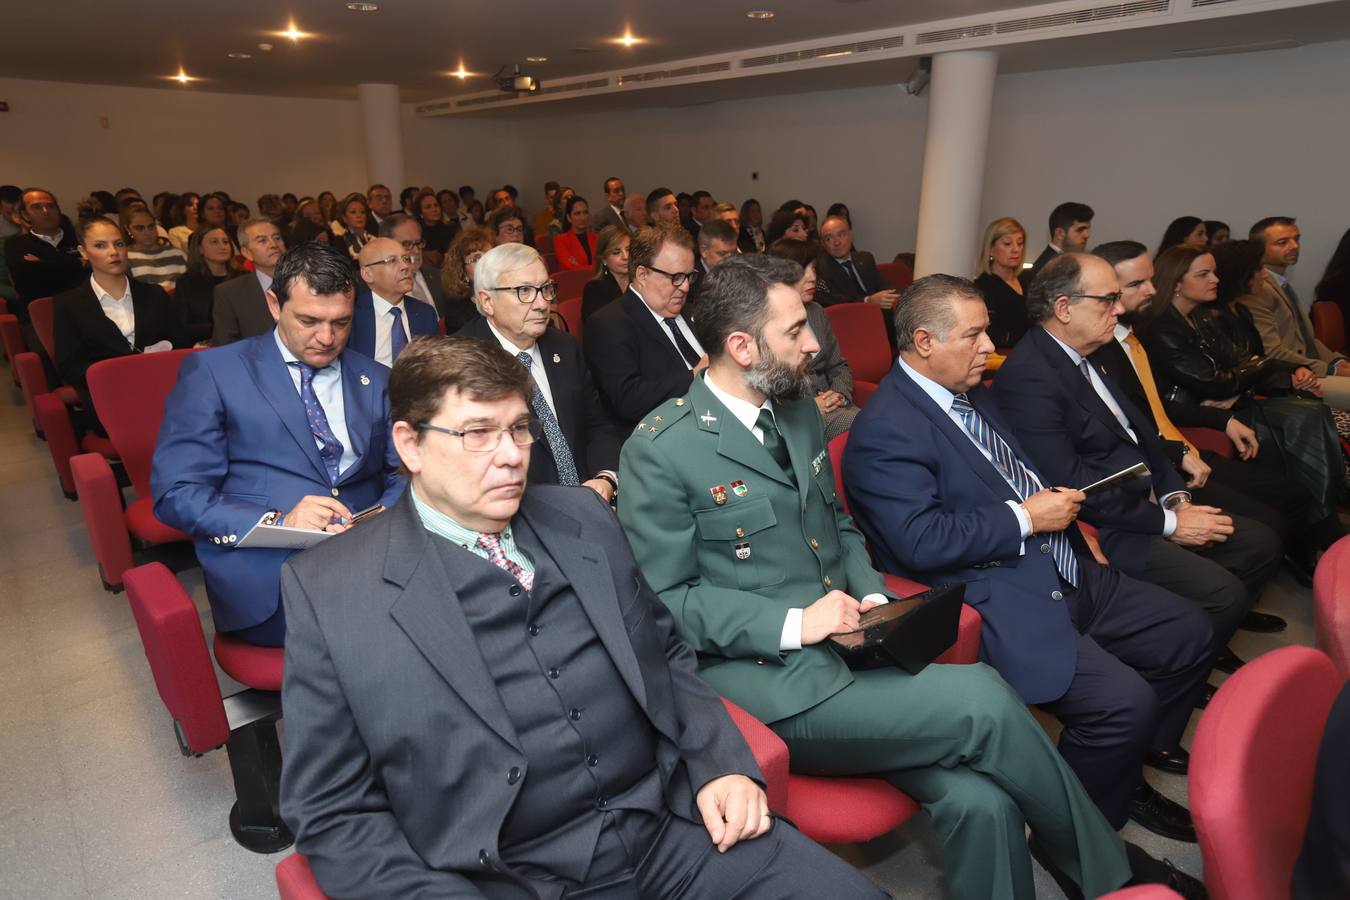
column 628, row 40
column 536, row 59
column 239, row 55
column 292, row 33
column 363, row 7
column 182, row 77
column 265, row 48
column 762, row 15
column 461, row 73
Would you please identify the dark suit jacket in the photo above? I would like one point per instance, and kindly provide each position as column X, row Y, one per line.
column 57, row 268
column 235, row 443
column 432, row 276
column 592, row 434
column 1113, row 358
column 935, row 510
column 1047, row 254
column 835, row 285
column 421, row 322
column 239, row 310
column 607, row 217
column 395, row 775
column 632, row 359
column 83, row 335
column 1073, row 438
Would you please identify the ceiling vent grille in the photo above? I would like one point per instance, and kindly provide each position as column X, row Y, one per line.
column 828, row 52
column 485, row 100
column 723, row 65
column 1200, row 4
column 1090, row 15
column 571, row 86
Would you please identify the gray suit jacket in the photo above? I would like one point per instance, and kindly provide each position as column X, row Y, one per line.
column 398, row 746
column 1286, row 333
column 239, row 310
column 607, row 216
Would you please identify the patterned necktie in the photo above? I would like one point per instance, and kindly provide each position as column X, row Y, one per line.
column 557, row 442
column 331, row 448
column 690, row 357
column 1018, row 476
column 853, row 273
column 398, row 338
column 773, row 441
column 491, row 544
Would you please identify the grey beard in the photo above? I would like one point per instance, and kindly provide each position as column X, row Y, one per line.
column 775, row 380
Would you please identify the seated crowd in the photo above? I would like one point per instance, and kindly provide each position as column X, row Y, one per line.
column 573, row 644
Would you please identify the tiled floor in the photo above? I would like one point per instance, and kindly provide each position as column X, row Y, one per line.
column 95, row 800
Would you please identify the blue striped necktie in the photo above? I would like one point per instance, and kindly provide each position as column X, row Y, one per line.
column 557, row 441
column 1019, row 476
column 331, row 448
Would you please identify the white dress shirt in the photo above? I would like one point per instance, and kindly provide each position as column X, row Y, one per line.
column 537, row 371
column 53, row 239
column 327, row 385
column 747, row 414
column 680, row 323
column 420, row 289
column 384, row 327
column 118, row 309
column 264, row 280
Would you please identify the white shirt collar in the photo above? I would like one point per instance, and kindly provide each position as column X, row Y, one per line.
column 660, row 318
column 1282, row 280
column 263, row 279
column 288, row 357
column 53, row 239
column 941, row 396
column 1122, row 331
column 745, row 412
column 1074, row 355
column 382, row 306
column 104, row 296
column 1051, row 245
column 509, row 346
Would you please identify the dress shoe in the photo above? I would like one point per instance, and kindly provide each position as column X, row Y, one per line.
column 1145, row 869
column 1160, row 815
column 1264, row 623
column 1228, row 661
column 1175, row 760
column 1206, row 696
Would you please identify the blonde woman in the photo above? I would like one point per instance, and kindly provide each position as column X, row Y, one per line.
column 997, row 272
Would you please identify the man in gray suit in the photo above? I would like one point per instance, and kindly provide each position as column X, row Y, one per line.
column 239, row 308
column 485, row 698
column 612, row 212
column 426, row 277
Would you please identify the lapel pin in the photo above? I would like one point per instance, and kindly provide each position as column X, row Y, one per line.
column 719, row 494
column 365, row 380
column 707, row 418
column 739, row 489
column 743, row 550
column 557, row 358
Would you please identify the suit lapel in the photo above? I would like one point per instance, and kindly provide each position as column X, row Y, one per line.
column 144, row 324
column 109, row 333
column 271, row 374
column 358, row 400
column 647, row 324
column 429, row 612
column 1079, row 387
column 734, row 441
column 797, row 424
column 560, row 382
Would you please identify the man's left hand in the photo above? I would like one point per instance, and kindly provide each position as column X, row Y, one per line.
column 601, row 487
column 734, row 809
column 1196, row 469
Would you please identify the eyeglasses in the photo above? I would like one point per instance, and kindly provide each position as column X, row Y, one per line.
column 526, row 293
column 485, row 440
column 414, row 245
column 1105, row 298
column 513, row 229
column 678, row 279
column 391, row 260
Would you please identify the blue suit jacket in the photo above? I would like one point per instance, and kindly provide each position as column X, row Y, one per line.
column 422, row 321
column 935, row 510
column 235, row 443
column 1074, row 438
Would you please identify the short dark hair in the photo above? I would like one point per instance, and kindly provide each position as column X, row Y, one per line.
column 431, row 366
column 291, row 197
column 407, row 194
column 1116, row 252
column 573, row 201
column 803, row 253
column 376, row 186
column 11, row 193
column 926, row 304
column 715, row 230
column 1258, row 231
column 503, row 213
column 610, row 180
column 1214, row 226
column 393, row 221
column 123, row 192
column 1061, row 275
column 550, row 186
column 1064, row 215
column 734, row 296
column 511, row 189
column 655, row 197
column 1235, row 262
column 696, row 196
column 648, row 241
column 325, row 269
column 465, row 190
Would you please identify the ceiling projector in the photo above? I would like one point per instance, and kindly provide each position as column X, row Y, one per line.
column 517, row 82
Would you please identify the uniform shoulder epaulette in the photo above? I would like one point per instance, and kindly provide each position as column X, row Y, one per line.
column 661, row 418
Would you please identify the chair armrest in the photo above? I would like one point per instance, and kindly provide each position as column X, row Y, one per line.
column 770, row 753
column 101, row 504
column 53, row 418
column 1209, row 439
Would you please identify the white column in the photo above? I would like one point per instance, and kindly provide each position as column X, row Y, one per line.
column 383, row 121
column 959, row 108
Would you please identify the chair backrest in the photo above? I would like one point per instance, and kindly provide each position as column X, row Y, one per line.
column 897, row 273
column 572, row 283
column 1329, row 324
column 838, row 444
column 861, row 331
column 129, row 394
column 550, row 262
column 171, row 633
column 295, row 880
column 570, row 310
column 1331, row 604
column 1142, row 892
column 1252, row 766
column 40, row 314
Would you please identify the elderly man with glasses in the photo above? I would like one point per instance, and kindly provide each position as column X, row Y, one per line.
column 426, row 278
column 386, row 317
column 641, row 349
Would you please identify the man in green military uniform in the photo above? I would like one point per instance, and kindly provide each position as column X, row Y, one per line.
column 729, row 503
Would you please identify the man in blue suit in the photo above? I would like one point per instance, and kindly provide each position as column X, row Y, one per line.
column 288, row 428
column 944, row 493
column 386, row 317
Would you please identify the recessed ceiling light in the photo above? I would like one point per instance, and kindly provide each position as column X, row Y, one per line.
column 461, row 73
column 761, row 14
column 536, row 59
column 628, row 39
column 182, row 77
column 239, row 55
column 363, row 7
column 293, row 33
column 265, row 48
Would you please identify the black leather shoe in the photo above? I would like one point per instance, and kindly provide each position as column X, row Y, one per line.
column 1228, row 661
column 1066, row 884
column 1160, row 815
column 1175, row 760
column 1264, row 623
column 1208, row 695
column 1301, row 568
column 1145, row 869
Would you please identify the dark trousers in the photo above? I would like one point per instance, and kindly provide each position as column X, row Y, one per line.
column 1143, row 656
column 270, row 632
column 1268, row 496
column 1323, row 868
column 1224, row 579
column 681, row 861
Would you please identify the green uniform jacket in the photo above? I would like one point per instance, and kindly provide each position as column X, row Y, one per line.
column 730, row 570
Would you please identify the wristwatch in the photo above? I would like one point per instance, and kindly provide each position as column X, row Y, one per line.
column 271, row 517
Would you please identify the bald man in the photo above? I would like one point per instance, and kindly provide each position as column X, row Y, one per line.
column 386, row 317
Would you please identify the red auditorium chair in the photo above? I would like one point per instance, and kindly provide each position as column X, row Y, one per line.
column 11, row 339
column 550, row 261
column 1331, row 604
column 1252, row 766
column 31, row 371
column 572, row 283
column 1210, row 439
column 1329, row 324
column 570, row 310
column 861, row 330
column 295, row 880
column 129, row 393
column 897, row 273
column 244, row 722
column 1140, row 892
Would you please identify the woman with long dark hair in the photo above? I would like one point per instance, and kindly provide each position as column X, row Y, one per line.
column 1185, row 230
column 210, row 261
